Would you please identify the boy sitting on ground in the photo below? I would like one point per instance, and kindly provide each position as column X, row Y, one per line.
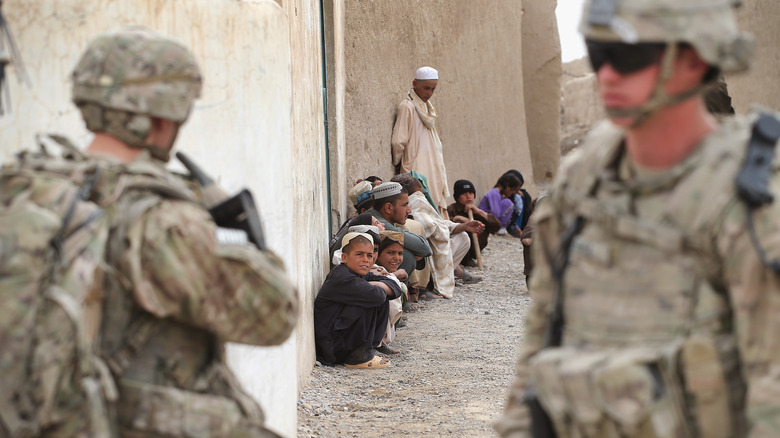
column 465, row 193
column 498, row 200
column 523, row 207
column 373, row 179
column 391, row 207
column 361, row 196
column 448, row 240
column 388, row 270
column 351, row 309
column 390, row 255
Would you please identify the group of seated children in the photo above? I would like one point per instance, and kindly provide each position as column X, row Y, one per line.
column 381, row 264
column 504, row 209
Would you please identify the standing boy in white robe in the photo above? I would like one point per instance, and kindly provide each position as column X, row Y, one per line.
column 416, row 143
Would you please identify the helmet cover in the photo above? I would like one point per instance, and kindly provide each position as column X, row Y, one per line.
column 708, row 25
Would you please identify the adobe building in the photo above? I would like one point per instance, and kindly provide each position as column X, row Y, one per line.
column 760, row 84
column 488, row 76
column 541, row 85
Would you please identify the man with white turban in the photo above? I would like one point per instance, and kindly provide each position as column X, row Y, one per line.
column 416, row 144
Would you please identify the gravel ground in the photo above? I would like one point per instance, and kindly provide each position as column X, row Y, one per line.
column 451, row 377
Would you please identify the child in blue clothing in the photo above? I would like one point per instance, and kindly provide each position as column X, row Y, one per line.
column 498, row 200
column 523, row 207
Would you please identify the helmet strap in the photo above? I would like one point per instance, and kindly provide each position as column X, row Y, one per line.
column 159, row 153
column 131, row 129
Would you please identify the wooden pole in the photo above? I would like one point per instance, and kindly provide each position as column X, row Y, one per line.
column 475, row 241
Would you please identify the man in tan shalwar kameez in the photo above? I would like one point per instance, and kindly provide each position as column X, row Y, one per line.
column 415, row 142
column 449, row 241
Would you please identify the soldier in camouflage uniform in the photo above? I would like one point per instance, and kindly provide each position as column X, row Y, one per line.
column 175, row 292
column 655, row 302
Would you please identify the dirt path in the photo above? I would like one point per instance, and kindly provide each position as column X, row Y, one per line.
column 451, row 377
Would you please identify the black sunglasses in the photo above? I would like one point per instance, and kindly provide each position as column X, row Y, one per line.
column 624, row 58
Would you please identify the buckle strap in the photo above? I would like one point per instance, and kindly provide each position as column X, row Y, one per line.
column 140, row 331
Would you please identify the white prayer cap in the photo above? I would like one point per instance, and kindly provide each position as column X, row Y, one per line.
column 363, row 229
column 358, row 189
column 349, row 236
column 385, row 190
column 426, row 74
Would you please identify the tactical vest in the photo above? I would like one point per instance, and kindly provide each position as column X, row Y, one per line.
column 52, row 244
column 172, row 378
column 648, row 349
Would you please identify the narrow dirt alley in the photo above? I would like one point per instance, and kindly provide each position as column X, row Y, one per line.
column 451, row 377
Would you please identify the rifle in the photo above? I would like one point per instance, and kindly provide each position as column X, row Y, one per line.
column 541, row 424
column 236, row 212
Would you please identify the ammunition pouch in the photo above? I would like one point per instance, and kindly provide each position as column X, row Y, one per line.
column 675, row 390
column 159, row 411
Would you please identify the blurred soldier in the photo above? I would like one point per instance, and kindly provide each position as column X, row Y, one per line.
column 656, row 300
column 176, row 291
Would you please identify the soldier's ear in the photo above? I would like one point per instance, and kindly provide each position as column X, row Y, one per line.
column 692, row 63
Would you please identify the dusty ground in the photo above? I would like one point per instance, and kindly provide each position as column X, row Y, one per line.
column 451, row 377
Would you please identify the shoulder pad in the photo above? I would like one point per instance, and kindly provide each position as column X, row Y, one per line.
column 583, row 167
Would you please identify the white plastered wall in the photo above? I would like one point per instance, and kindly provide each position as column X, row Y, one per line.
column 240, row 130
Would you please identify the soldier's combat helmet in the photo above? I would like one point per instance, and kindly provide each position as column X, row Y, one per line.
column 709, row 26
column 125, row 78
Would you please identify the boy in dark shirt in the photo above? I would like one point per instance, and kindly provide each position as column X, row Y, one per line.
column 464, row 193
column 351, row 308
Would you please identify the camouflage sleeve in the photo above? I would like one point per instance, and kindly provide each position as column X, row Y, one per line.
column 179, row 270
column 516, row 421
column 755, row 297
